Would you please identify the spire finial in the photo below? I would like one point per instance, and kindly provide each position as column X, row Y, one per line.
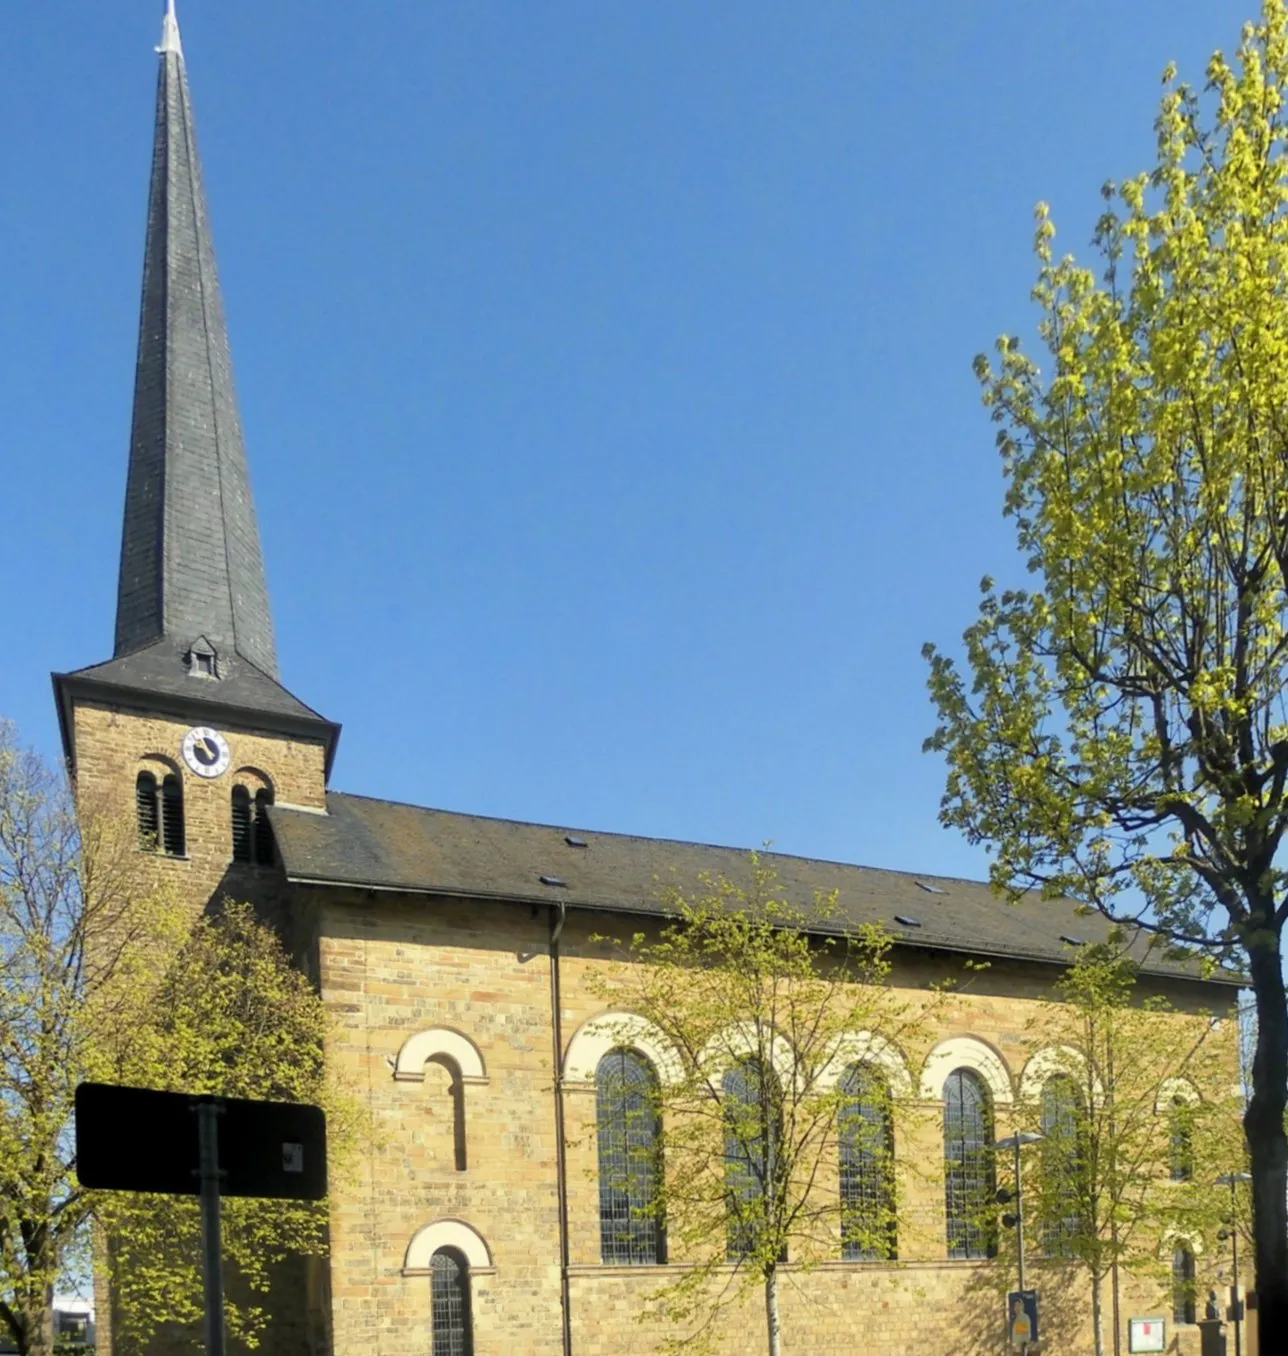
column 170, row 31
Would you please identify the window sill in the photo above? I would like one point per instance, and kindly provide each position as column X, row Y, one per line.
column 163, row 856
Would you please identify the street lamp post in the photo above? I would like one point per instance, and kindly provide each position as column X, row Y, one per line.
column 1017, row 1142
column 1232, row 1180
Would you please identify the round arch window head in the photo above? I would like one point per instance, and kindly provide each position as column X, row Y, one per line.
column 206, row 752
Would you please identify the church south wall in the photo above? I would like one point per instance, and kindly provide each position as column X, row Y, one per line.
column 392, row 967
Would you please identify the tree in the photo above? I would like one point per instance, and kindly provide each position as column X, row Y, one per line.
column 1122, row 736
column 234, row 1017
column 781, row 1025
column 63, row 1001
column 105, row 976
column 1138, row 1109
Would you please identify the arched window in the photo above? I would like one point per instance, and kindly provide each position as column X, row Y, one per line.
column 865, row 1130
column 149, row 811
column 1063, row 1162
column 252, row 833
column 172, row 831
column 970, row 1182
column 243, row 850
column 450, row 1302
column 1184, row 1289
column 263, row 829
column 1181, row 1141
column 752, row 1132
column 627, row 1129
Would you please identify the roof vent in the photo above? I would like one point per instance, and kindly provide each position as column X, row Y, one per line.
column 573, row 841
column 929, row 889
column 906, row 921
column 1073, row 941
column 555, row 881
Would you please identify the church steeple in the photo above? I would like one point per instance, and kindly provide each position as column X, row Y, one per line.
column 191, row 561
column 194, row 634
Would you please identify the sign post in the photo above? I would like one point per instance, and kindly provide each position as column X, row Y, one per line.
column 208, row 1113
column 135, row 1139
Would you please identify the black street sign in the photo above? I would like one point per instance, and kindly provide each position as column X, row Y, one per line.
column 134, row 1139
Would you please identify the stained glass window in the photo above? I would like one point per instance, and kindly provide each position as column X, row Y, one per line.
column 450, row 1301
column 866, row 1134
column 630, row 1232
column 970, row 1181
column 1063, row 1154
column 752, row 1133
column 1184, row 1291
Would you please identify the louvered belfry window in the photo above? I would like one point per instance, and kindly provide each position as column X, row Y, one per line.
column 626, row 1124
column 866, row 1134
column 450, row 1304
column 969, row 1174
column 242, row 847
column 263, row 829
column 148, row 810
column 173, row 841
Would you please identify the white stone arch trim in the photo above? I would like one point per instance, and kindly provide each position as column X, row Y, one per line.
column 1173, row 1090
column 865, row 1047
column 1051, row 1060
column 446, row 1233
column 966, row 1052
column 1173, row 1238
column 739, row 1041
column 439, row 1041
column 593, row 1039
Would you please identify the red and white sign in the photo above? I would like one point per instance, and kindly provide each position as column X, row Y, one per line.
column 1146, row 1334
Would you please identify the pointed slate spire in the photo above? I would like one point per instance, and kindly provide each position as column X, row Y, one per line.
column 191, row 561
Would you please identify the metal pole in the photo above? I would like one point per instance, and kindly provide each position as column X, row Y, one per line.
column 208, row 1113
column 1019, row 1209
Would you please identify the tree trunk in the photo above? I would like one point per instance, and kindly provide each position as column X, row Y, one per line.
column 1098, row 1312
column 771, row 1313
column 1267, row 1146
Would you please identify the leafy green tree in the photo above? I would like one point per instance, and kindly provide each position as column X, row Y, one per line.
column 777, row 1018
column 105, row 976
column 79, row 944
column 1138, row 1109
column 1121, row 736
column 234, row 1017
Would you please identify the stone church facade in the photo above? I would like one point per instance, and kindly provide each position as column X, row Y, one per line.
column 457, row 953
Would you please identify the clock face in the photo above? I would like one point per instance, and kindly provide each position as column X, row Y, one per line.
column 206, row 752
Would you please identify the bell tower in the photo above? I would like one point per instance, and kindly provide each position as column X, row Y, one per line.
column 188, row 727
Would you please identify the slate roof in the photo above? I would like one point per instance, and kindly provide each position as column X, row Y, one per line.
column 191, row 561
column 159, row 678
column 385, row 845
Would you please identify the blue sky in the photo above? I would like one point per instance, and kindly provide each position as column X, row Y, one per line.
column 606, row 372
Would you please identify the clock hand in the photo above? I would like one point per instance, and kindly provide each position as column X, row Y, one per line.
column 206, row 752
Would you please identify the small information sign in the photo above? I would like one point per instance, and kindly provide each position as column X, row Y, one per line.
column 1022, row 1317
column 1146, row 1334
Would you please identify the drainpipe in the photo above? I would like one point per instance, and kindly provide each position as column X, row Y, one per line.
column 558, row 917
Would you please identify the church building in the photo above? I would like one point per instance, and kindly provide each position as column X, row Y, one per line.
column 458, row 953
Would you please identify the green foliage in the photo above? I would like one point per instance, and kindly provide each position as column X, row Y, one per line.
column 232, row 1016
column 765, row 1006
column 105, row 977
column 1123, row 734
column 80, row 945
column 1147, row 1117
